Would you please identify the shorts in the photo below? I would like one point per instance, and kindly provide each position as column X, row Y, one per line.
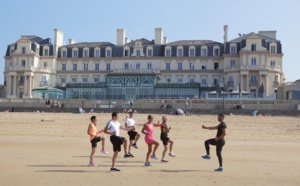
column 95, row 141
column 116, row 141
column 164, row 139
column 132, row 135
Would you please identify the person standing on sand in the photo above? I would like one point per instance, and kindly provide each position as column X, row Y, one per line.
column 165, row 139
column 133, row 134
column 113, row 128
column 148, row 131
column 92, row 131
column 219, row 141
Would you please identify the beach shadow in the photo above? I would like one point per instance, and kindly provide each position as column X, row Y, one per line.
column 177, row 171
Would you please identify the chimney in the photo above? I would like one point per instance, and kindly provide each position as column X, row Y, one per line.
column 165, row 40
column 71, row 41
column 225, row 33
column 271, row 34
column 58, row 40
column 120, row 37
column 158, row 36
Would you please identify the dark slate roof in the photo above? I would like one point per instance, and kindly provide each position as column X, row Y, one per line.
column 88, row 44
column 193, row 42
column 239, row 39
column 144, row 42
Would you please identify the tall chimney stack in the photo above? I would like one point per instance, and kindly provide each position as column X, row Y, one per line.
column 120, row 37
column 158, row 36
column 58, row 40
column 225, row 33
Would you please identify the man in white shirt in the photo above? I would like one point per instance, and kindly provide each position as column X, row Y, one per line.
column 133, row 134
column 113, row 128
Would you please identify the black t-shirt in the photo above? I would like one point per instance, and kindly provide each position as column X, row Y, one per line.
column 220, row 127
column 164, row 127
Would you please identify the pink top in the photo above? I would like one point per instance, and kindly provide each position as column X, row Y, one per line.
column 149, row 137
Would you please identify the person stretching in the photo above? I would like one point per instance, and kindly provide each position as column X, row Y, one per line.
column 134, row 136
column 165, row 139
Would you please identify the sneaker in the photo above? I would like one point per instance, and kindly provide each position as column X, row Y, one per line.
column 220, row 169
column 153, row 156
column 171, row 154
column 127, row 156
column 131, row 155
column 104, row 151
column 164, row 160
column 92, row 164
column 206, row 157
column 114, row 169
column 147, row 164
column 134, row 145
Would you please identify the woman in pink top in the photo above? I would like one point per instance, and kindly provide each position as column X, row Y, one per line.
column 148, row 131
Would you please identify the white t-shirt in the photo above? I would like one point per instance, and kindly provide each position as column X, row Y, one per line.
column 114, row 126
column 130, row 122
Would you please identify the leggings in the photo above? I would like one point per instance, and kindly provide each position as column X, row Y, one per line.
column 219, row 147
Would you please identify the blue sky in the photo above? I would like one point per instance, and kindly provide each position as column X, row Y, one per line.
column 96, row 20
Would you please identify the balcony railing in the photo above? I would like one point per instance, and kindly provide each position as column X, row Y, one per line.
column 20, row 68
column 253, row 83
column 254, row 67
column 275, row 84
column 230, row 84
column 43, row 83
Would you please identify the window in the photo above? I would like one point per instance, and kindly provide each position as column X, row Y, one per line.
column 204, row 66
column 138, row 53
column 43, row 79
column 168, row 80
column 108, row 53
column 137, row 66
column 96, row 80
column 85, row 80
column 23, row 63
column 216, row 66
column 192, row 65
column 126, row 66
column 192, row 80
column 23, row 50
column 107, row 66
column 192, row 52
column 64, row 54
column 46, row 52
column 45, row 64
column 22, row 79
column 11, row 51
column 233, row 50
column 216, row 81
column 216, row 52
column 168, row 66
column 180, row 52
column 126, row 53
column 168, row 52
column 232, row 63
column 64, row 66
column 203, row 81
column 230, row 79
column 74, row 66
column 272, row 63
column 97, row 53
column 75, row 53
column 253, row 61
column 96, row 66
column 86, row 53
column 85, row 66
column 179, row 65
column 253, row 47
column 74, row 80
column 149, row 66
column 149, row 53
column 273, row 49
column 203, row 52
column 63, row 80
column 179, row 80
column 253, row 78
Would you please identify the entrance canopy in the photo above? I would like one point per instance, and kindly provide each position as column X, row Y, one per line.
column 51, row 91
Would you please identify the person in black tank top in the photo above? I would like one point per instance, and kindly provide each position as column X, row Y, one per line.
column 165, row 139
column 218, row 141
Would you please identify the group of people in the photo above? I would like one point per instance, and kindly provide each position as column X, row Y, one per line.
column 113, row 129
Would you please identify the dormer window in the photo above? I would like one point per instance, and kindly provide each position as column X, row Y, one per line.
column 149, row 51
column 216, row 51
column 192, row 51
column 46, row 52
column 23, row 50
column 253, row 47
column 108, row 52
column 97, row 52
column 168, row 51
column 179, row 51
column 204, row 51
column 86, row 53
column 75, row 52
column 138, row 53
column 233, row 48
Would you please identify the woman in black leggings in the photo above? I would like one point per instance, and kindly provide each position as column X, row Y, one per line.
column 218, row 141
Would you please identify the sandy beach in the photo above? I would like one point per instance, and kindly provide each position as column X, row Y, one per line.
column 258, row 151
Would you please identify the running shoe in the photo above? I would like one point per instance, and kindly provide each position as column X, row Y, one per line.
column 131, row 155
column 171, row 154
column 127, row 156
column 147, row 164
column 153, row 156
column 206, row 157
column 134, row 145
column 92, row 164
column 114, row 169
column 104, row 151
column 164, row 160
column 220, row 169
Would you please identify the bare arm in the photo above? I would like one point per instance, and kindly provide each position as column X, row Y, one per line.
column 106, row 131
column 88, row 131
column 163, row 130
column 143, row 129
column 210, row 128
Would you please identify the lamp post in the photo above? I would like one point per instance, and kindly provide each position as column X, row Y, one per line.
column 223, row 93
